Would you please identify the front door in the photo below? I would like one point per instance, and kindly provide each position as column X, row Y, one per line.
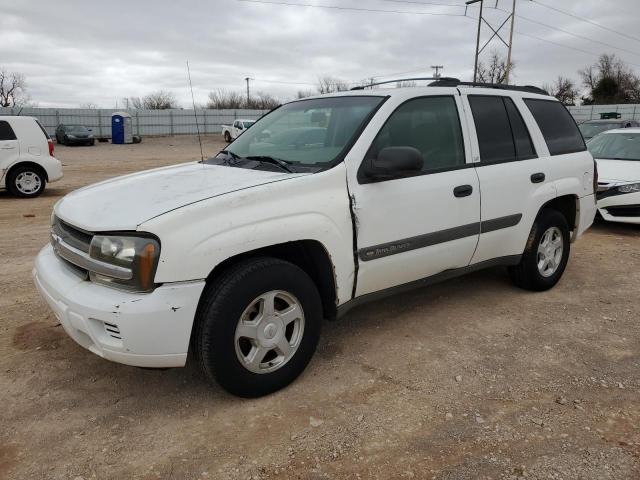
column 414, row 227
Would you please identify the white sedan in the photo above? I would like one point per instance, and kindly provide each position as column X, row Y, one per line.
column 617, row 153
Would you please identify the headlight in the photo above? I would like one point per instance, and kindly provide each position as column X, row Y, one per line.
column 629, row 188
column 138, row 255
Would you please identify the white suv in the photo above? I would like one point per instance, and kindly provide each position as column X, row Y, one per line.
column 26, row 157
column 323, row 204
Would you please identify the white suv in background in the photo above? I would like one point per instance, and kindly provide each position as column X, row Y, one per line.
column 323, row 204
column 26, row 157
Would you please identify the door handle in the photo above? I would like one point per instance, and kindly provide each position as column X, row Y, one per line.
column 462, row 191
column 537, row 177
column 7, row 147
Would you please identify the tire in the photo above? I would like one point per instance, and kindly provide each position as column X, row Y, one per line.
column 227, row 137
column 26, row 181
column 65, row 140
column 92, row 143
column 227, row 302
column 542, row 267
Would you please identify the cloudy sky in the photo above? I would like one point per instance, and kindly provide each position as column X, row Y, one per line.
column 79, row 52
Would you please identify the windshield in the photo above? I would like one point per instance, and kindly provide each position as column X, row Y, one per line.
column 77, row 128
column 592, row 129
column 247, row 124
column 306, row 133
column 617, row 146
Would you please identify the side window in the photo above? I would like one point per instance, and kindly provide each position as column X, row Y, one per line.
column 429, row 124
column 558, row 127
column 6, row 132
column 502, row 134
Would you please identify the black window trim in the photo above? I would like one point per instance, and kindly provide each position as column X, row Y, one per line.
column 362, row 179
column 563, row 152
column 10, row 130
column 516, row 159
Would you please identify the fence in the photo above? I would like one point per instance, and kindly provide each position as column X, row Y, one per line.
column 176, row 122
column 628, row 111
column 144, row 122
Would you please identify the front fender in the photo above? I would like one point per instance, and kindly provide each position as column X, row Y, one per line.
column 196, row 238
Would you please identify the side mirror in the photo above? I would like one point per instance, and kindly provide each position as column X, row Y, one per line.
column 393, row 162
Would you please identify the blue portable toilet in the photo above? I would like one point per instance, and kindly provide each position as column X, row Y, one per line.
column 121, row 129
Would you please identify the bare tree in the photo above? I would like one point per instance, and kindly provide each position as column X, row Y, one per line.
column 328, row 84
column 12, row 89
column 495, row 70
column 305, row 93
column 159, row 100
column 262, row 101
column 564, row 89
column 610, row 80
column 405, row 83
column 89, row 106
column 225, row 99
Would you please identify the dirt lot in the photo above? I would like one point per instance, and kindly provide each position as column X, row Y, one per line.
column 468, row 379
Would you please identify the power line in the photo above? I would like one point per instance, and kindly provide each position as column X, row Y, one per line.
column 586, row 20
column 356, row 9
column 582, row 37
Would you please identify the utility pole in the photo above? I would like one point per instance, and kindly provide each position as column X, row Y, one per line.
column 496, row 33
column 437, row 68
column 247, row 80
column 513, row 16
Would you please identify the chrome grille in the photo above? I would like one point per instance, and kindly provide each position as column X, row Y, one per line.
column 72, row 236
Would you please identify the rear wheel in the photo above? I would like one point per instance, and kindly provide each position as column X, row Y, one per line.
column 546, row 254
column 257, row 326
column 26, row 181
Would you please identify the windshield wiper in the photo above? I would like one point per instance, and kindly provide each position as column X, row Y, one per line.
column 283, row 164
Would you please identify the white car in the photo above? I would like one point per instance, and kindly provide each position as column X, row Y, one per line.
column 231, row 132
column 238, row 259
column 26, row 157
column 618, row 155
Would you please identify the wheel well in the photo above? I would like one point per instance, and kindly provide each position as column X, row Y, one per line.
column 309, row 255
column 567, row 206
column 33, row 165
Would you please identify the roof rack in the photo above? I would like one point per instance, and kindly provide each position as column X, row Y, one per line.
column 454, row 82
column 446, row 82
column 368, row 85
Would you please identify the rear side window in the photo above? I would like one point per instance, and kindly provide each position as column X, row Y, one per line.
column 6, row 132
column 502, row 134
column 521, row 137
column 558, row 127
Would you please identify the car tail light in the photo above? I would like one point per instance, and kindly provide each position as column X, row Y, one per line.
column 595, row 177
column 50, row 147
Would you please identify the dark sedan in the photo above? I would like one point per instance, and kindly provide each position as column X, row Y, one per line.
column 74, row 135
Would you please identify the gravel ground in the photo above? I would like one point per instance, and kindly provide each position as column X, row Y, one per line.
column 467, row 379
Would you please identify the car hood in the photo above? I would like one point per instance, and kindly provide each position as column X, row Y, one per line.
column 618, row 170
column 123, row 203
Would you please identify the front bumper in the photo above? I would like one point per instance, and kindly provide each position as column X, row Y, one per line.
column 145, row 330
column 624, row 208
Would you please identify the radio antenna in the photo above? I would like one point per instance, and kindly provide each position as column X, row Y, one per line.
column 195, row 113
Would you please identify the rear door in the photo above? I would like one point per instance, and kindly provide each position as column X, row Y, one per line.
column 513, row 174
column 9, row 145
column 414, row 227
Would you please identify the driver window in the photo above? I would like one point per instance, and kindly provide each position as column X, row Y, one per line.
column 429, row 124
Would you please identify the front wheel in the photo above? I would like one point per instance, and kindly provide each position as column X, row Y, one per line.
column 227, row 137
column 546, row 254
column 258, row 326
column 26, row 181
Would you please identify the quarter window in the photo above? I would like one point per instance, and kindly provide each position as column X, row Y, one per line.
column 558, row 127
column 502, row 134
column 428, row 124
column 6, row 132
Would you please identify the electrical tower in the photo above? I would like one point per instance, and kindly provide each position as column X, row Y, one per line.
column 247, row 80
column 496, row 33
column 437, row 68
